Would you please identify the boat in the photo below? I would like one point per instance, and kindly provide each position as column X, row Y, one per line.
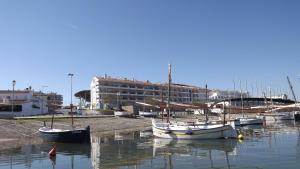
column 245, row 120
column 147, row 114
column 68, row 136
column 206, row 131
column 182, row 130
column 123, row 113
column 250, row 121
column 72, row 135
column 277, row 116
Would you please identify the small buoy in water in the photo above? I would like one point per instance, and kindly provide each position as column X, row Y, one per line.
column 52, row 152
column 240, row 136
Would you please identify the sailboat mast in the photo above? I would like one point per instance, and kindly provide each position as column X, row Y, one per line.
column 242, row 99
column 162, row 104
column 71, row 105
column 169, row 92
column 206, row 100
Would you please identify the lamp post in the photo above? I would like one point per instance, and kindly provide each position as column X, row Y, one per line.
column 71, row 104
column 13, row 95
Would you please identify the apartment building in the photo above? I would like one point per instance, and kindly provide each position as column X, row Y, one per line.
column 27, row 102
column 116, row 91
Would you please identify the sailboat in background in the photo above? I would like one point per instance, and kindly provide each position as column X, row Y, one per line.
column 181, row 130
column 247, row 120
column 65, row 135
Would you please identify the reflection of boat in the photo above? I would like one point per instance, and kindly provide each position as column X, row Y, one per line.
column 36, row 156
column 205, row 131
column 196, row 148
column 60, row 135
column 227, row 145
column 68, row 148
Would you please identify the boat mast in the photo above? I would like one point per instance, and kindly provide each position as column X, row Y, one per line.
column 271, row 100
column 169, row 92
column 242, row 99
column 266, row 100
column 206, row 100
column 71, row 105
column 162, row 103
column 224, row 112
column 292, row 90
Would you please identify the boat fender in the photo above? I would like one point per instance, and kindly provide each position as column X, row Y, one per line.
column 240, row 136
column 52, row 152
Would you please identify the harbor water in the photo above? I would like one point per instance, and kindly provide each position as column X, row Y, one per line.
column 275, row 145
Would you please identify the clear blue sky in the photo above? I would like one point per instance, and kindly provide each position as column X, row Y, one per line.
column 207, row 41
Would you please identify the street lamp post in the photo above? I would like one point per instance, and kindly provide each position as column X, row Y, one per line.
column 13, row 95
column 71, row 104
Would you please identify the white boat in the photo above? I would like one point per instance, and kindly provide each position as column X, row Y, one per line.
column 206, row 131
column 148, row 114
column 122, row 113
column 184, row 130
column 277, row 116
column 251, row 121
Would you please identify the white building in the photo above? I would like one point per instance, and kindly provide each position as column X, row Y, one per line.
column 22, row 103
column 117, row 91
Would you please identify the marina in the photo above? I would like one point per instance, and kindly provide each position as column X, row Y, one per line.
column 263, row 147
column 145, row 84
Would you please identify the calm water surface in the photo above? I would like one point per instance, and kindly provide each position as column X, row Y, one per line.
column 276, row 145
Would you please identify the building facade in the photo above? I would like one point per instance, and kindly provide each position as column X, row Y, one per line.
column 21, row 103
column 27, row 103
column 116, row 91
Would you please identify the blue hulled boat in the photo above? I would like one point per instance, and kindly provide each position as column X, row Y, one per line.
column 70, row 136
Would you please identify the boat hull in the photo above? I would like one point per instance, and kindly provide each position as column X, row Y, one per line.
column 70, row 136
column 297, row 116
column 277, row 116
column 251, row 121
column 122, row 113
column 147, row 114
column 194, row 132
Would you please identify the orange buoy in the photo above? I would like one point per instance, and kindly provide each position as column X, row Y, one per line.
column 52, row 152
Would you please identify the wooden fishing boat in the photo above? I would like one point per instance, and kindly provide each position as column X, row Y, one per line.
column 183, row 130
column 65, row 135
column 205, row 131
column 60, row 135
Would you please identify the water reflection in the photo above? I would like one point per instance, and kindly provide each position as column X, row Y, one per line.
column 276, row 145
column 31, row 156
column 202, row 149
column 121, row 149
column 131, row 149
